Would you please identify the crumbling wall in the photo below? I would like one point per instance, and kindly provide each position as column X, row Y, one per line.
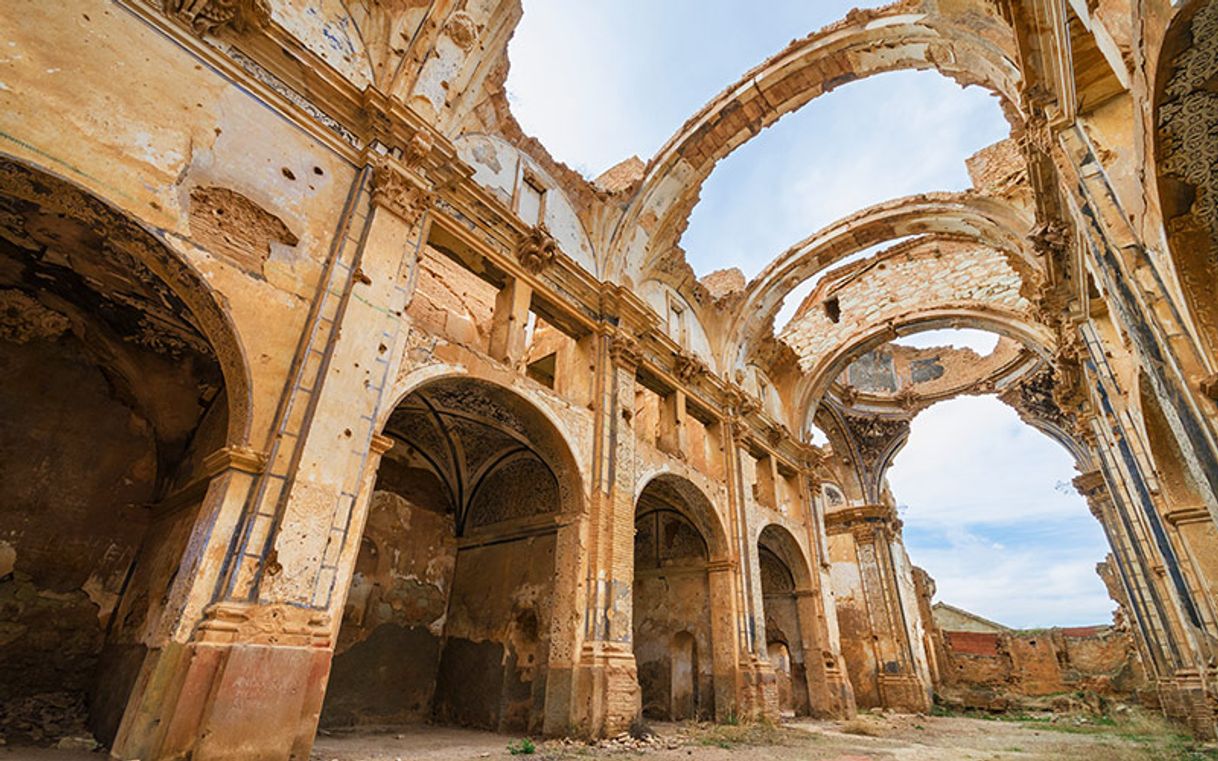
column 77, row 469
column 496, row 648
column 671, row 602
column 1039, row 669
column 388, row 651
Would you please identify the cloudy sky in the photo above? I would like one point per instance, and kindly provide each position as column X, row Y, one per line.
column 598, row 81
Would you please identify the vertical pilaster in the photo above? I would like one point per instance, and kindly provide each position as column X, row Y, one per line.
column 605, row 685
column 252, row 678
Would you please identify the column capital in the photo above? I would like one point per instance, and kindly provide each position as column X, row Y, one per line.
column 244, row 459
column 396, row 190
column 625, row 351
column 862, row 521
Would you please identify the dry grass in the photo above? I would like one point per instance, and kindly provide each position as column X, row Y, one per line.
column 860, row 726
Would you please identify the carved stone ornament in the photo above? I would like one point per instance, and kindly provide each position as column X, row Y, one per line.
column 211, row 16
column 625, row 352
column 462, row 30
column 417, row 149
column 742, row 404
column 393, row 189
column 537, row 249
column 687, row 367
column 874, row 436
column 277, row 624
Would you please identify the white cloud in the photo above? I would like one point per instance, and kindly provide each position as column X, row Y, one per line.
column 983, row 515
column 980, row 341
column 600, row 80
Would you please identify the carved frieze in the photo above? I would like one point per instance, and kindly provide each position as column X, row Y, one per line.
column 537, row 249
column 24, row 319
column 395, row 190
column 211, row 16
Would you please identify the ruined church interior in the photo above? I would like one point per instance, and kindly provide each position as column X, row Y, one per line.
column 335, row 408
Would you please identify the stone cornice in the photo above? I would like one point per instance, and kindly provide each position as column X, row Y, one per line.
column 861, row 518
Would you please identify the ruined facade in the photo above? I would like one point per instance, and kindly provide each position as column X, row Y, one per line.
column 330, row 398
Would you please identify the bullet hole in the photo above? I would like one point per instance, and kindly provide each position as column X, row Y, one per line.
column 833, row 309
column 86, row 17
column 317, row 171
column 288, row 173
column 382, row 348
column 347, row 432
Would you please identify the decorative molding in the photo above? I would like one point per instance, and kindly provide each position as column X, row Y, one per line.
column 395, row 190
column 381, row 443
column 862, row 521
column 244, row 459
column 275, row 624
column 1187, row 515
column 212, row 16
column 1209, row 386
column 537, row 249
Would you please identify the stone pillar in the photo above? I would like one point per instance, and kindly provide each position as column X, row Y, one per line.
column 724, row 646
column 250, row 681
column 230, row 475
column 605, row 689
column 837, row 698
column 829, row 692
column 673, row 438
column 509, row 321
column 872, row 528
column 1182, row 682
column 757, row 691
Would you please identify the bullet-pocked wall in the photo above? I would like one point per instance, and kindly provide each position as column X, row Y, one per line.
column 452, row 601
column 111, row 394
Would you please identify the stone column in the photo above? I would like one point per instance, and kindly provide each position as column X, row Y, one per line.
column 1181, row 684
column 757, row 694
column 507, row 343
column 606, row 695
column 228, row 475
column 872, row 529
column 252, row 678
column 829, row 691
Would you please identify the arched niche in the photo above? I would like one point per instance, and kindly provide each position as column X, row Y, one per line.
column 1186, row 157
column 459, row 596
column 676, row 537
column 785, row 575
column 119, row 375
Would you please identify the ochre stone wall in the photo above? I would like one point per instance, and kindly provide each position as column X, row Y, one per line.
column 1053, row 668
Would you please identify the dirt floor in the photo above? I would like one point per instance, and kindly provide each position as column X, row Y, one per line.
column 1133, row 737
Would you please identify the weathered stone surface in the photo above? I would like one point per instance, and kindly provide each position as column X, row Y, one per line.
column 327, row 396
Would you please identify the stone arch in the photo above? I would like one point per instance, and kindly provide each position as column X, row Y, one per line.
column 122, row 375
column 139, row 247
column 1004, row 322
column 562, row 443
column 935, row 216
column 786, row 589
column 474, row 613
column 691, row 502
column 901, row 36
column 1186, row 159
column 678, row 539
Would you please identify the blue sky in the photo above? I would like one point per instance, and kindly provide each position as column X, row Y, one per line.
column 598, row 81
